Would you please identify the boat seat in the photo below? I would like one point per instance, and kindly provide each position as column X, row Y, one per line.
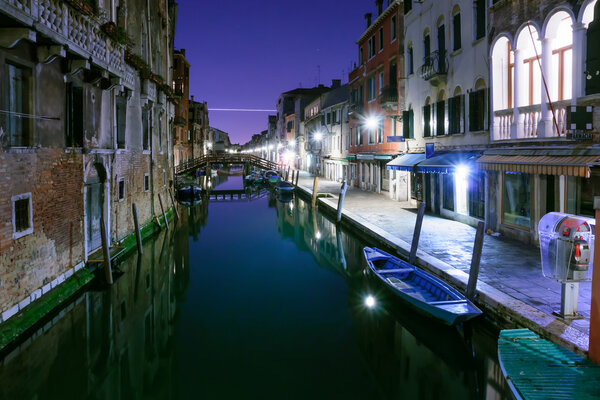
column 397, row 270
column 439, row 303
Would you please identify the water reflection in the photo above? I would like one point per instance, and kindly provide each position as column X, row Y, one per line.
column 221, row 307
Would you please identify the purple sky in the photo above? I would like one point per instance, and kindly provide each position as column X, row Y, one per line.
column 244, row 54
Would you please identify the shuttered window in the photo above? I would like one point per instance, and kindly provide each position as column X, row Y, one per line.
column 121, row 105
column 456, row 32
column 427, row 120
column 478, row 110
column 408, row 130
column 456, row 115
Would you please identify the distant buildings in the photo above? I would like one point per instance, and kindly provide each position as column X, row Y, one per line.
column 182, row 142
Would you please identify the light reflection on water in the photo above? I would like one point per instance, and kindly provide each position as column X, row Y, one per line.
column 252, row 299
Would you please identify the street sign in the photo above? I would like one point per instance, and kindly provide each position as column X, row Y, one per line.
column 395, row 139
column 429, row 150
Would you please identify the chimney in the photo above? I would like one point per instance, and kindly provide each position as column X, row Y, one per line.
column 336, row 83
column 183, row 52
column 379, row 4
column 192, row 97
column 368, row 19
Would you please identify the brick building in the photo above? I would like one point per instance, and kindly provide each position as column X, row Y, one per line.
column 199, row 127
column 374, row 98
column 83, row 133
column 182, row 142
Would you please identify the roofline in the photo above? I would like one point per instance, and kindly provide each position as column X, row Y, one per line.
column 383, row 15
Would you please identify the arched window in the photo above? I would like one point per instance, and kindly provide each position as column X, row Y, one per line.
column 479, row 19
column 456, row 29
column 528, row 66
column 479, row 107
column 559, row 34
column 410, row 59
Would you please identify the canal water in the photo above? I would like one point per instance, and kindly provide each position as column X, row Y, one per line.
column 252, row 298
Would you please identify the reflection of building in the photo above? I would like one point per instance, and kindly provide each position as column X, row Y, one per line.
column 84, row 133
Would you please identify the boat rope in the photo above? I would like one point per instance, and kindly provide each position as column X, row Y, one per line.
column 30, row 116
column 538, row 58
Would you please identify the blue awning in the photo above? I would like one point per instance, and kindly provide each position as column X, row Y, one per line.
column 405, row 162
column 446, row 163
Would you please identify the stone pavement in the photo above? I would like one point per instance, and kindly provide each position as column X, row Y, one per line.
column 507, row 265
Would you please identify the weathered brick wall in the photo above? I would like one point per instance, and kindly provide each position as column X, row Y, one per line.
column 55, row 180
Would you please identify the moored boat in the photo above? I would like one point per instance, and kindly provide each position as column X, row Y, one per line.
column 422, row 290
column 284, row 187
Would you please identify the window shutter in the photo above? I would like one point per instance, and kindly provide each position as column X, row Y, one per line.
column 462, row 113
column 405, row 124
column 486, row 109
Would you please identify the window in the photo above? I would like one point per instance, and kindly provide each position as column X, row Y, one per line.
column 380, row 131
column 426, row 46
column 476, row 194
column 440, row 118
column 456, row 115
column 121, row 109
column 456, row 33
column 17, row 100
column 328, row 118
column 380, row 82
column 146, row 182
column 160, row 134
column 371, row 88
column 410, row 60
column 371, row 46
column 74, row 116
column 581, row 193
column 22, row 215
column 448, row 199
column 371, row 135
column 478, row 110
column 516, row 204
column 290, row 126
column 360, row 56
column 164, row 178
column 407, row 6
column 121, row 189
column 479, row 19
column 381, row 39
column 393, row 28
column 408, row 125
column 145, row 128
column 359, row 137
column 427, row 120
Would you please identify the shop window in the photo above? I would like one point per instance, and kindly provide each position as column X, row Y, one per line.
column 516, row 200
column 580, row 194
column 17, row 100
column 22, row 215
column 476, row 194
column 448, row 199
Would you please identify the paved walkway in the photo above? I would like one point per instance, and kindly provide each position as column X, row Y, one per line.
column 506, row 264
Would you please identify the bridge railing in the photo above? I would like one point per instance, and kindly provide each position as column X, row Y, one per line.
column 200, row 162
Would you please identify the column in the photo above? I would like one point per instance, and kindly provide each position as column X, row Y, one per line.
column 516, row 129
column 579, row 56
column 545, row 126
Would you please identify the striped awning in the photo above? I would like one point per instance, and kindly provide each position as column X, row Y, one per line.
column 539, row 164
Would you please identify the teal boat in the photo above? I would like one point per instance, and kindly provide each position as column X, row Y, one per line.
column 420, row 289
column 536, row 368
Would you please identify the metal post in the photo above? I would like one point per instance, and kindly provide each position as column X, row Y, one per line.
column 173, row 202
column 106, row 252
column 315, row 191
column 412, row 259
column 341, row 201
column 138, row 235
column 475, row 260
column 163, row 211
column 594, row 344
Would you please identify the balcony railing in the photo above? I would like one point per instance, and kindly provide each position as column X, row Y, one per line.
column 529, row 118
column 61, row 23
column 435, row 67
column 389, row 97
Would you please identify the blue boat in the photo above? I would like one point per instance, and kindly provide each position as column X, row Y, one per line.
column 423, row 291
column 284, row 187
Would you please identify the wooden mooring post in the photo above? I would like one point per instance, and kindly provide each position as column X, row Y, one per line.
column 412, row 258
column 162, row 208
column 297, row 177
column 106, row 252
column 315, row 191
column 475, row 260
column 341, row 201
column 138, row 235
column 287, row 173
column 174, row 205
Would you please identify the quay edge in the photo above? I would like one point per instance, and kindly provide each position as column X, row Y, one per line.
column 503, row 310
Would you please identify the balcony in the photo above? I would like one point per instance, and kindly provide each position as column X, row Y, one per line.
column 388, row 99
column 434, row 68
column 179, row 120
column 355, row 110
column 66, row 27
column 527, row 126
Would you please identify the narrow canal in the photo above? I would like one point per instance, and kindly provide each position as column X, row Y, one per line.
column 249, row 299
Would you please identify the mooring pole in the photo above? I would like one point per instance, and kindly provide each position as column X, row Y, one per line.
column 475, row 260
column 594, row 341
column 173, row 202
column 315, row 191
column 297, row 176
column 287, row 174
column 412, row 259
column 106, row 252
column 163, row 211
column 138, row 235
column 341, row 201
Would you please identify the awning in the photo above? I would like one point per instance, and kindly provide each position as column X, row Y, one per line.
column 383, row 156
column 573, row 165
column 406, row 162
column 335, row 160
column 351, row 158
column 445, row 163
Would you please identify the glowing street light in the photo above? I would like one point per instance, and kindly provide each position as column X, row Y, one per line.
column 318, row 136
column 372, row 122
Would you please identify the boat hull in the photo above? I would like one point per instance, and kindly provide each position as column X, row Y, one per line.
column 421, row 290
